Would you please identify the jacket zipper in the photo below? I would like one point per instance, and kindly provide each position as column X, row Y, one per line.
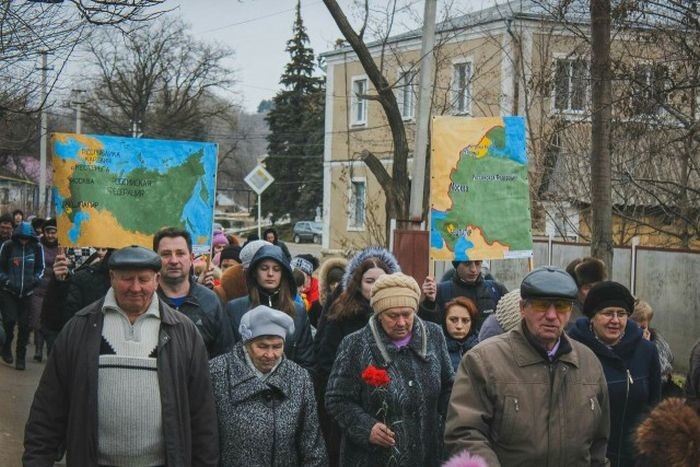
column 21, row 280
column 628, row 382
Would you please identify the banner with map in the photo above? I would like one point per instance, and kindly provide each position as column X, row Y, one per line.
column 113, row 192
column 479, row 196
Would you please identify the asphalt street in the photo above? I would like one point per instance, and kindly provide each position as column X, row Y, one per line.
column 17, row 389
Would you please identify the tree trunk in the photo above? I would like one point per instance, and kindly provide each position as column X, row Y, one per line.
column 601, row 198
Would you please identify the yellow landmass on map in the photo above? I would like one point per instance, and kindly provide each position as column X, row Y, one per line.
column 482, row 249
column 101, row 229
column 455, row 134
column 63, row 169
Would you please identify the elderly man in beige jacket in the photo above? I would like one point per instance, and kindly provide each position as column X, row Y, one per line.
column 532, row 396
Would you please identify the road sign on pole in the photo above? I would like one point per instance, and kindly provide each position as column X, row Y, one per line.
column 259, row 179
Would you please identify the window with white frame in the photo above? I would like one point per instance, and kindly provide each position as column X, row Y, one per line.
column 358, row 102
column 648, row 89
column 405, row 92
column 461, row 92
column 356, row 218
column 570, row 84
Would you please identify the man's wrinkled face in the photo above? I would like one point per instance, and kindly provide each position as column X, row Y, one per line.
column 176, row 259
column 51, row 236
column 545, row 318
column 134, row 289
column 5, row 229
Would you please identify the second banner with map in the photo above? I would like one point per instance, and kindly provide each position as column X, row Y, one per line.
column 113, row 192
column 479, row 195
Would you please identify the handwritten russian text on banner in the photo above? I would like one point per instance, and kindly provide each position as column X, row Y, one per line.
column 113, row 192
column 479, row 196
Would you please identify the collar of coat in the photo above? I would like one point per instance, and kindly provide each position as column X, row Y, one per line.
column 244, row 383
column 525, row 354
column 167, row 314
column 418, row 343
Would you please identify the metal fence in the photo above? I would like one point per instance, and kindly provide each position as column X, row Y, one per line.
column 667, row 279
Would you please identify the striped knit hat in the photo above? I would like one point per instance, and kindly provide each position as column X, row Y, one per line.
column 508, row 310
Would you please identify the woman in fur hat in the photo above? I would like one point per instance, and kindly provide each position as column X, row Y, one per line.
column 390, row 383
column 270, row 282
column 348, row 313
column 630, row 363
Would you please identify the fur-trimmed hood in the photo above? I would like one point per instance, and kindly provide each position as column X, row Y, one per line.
column 233, row 284
column 327, row 266
column 378, row 252
column 670, row 435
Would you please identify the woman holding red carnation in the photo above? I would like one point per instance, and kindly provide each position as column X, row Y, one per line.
column 390, row 382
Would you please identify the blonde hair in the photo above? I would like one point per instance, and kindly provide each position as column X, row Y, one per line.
column 642, row 311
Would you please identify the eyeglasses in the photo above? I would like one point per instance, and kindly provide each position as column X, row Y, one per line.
column 541, row 305
column 614, row 314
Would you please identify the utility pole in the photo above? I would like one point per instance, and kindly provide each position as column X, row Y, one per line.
column 423, row 113
column 43, row 211
column 78, row 103
column 136, row 129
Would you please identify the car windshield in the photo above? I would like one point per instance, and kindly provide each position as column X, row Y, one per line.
column 316, row 225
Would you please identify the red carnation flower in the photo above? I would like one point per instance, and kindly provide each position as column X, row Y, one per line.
column 376, row 377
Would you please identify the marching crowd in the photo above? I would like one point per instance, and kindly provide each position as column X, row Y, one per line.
column 256, row 358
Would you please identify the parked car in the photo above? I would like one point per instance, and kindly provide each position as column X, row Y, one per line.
column 308, row 231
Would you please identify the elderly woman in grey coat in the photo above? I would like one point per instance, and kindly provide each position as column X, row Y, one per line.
column 390, row 383
column 264, row 402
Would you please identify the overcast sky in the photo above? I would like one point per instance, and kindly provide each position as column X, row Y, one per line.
column 258, row 31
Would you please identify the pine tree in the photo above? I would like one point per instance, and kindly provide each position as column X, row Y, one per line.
column 295, row 142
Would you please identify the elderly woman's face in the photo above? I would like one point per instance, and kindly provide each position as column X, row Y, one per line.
column 265, row 352
column 368, row 279
column 397, row 322
column 609, row 324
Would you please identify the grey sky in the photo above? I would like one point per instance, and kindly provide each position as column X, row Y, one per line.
column 258, row 31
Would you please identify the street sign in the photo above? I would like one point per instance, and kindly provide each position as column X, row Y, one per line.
column 259, row 179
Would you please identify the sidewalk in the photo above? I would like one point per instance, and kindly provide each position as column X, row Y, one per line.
column 17, row 389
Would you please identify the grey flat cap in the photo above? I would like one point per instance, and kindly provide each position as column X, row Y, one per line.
column 135, row 257
column 265, row 321
column 548, row 282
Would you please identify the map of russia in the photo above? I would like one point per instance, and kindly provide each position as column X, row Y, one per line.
column 112, row 191
column 479, row 195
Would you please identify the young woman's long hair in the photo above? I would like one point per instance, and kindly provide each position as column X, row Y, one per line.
column 351, row 302
column 283, row 299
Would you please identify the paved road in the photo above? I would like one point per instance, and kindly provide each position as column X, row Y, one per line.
column 16, row 394
column 17, row 391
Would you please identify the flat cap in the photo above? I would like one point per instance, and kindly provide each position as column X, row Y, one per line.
column 135, row 257
column 265, row 321
column 548, row 282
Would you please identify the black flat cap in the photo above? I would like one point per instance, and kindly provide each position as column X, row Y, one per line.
column 548, row 282
column 135, row 257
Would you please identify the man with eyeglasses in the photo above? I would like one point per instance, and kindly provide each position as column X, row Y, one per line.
column 532, row 396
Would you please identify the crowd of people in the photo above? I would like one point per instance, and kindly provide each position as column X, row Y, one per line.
column 254, row 357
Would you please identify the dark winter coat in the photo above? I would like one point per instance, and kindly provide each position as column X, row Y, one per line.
column 416, row 397
column 692, row 381
column 21, row 266
column 265, row 423
column 203, row 307
column 89, row 284
column 485, row 294
column 64, row 411
column 458, row 348
column 633, row 375
column 298, row 347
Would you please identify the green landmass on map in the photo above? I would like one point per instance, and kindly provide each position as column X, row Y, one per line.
column 509, row 225
column 160, row 201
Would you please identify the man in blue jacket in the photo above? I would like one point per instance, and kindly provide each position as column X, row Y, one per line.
column 21, row 269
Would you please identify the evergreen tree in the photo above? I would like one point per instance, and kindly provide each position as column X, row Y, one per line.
column 295, row 141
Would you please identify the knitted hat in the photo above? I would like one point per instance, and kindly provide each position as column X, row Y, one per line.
column 587, row 270
column 265, row 321
column 508, row 310
column 219, row 238
column 394, row 290
column 50, row 224
column 605, row 294
column 231, row 252
column 303, row 265
column 249, row 250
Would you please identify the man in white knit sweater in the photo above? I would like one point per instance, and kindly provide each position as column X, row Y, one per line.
column 151, row 362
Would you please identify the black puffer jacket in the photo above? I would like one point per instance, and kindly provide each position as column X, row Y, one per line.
column 298, row 347
column 203, row 307
column 87, row 285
